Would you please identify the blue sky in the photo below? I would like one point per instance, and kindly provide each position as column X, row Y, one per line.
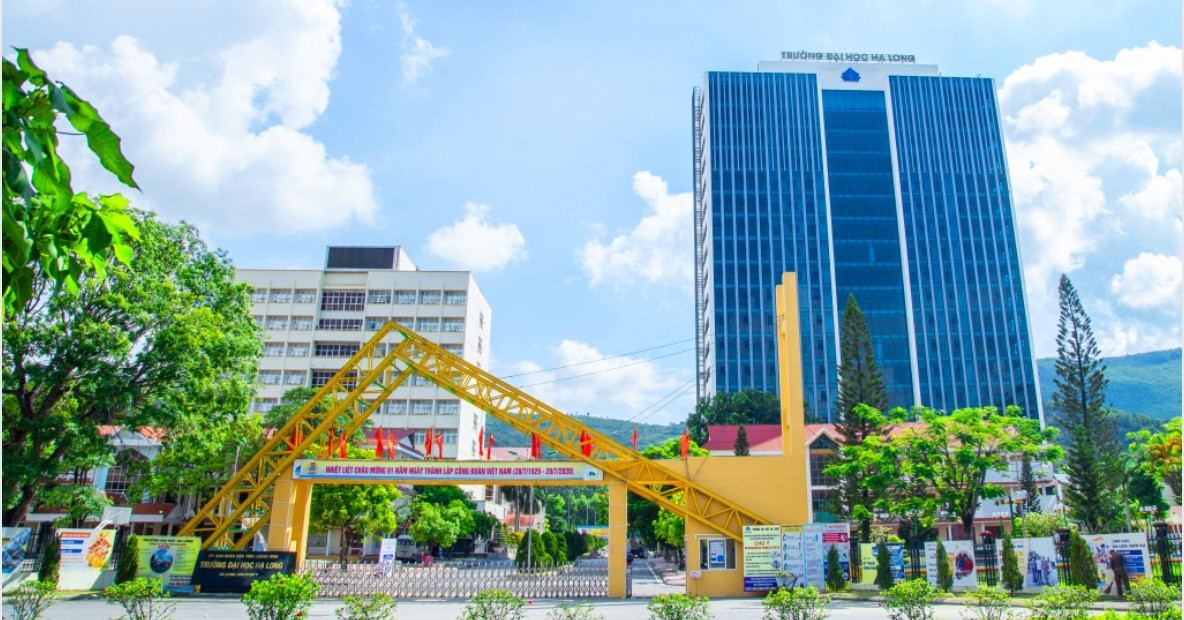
column 546, row 147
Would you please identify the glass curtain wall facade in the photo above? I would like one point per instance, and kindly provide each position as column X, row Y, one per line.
column 889, row 187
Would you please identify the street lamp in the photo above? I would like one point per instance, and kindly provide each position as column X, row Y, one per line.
column 999, row 514
column 1147, row 511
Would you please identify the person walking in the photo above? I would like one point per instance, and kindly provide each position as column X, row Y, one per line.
column 1118, row 564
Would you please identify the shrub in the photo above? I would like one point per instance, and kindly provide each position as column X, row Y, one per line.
column 1013, row 579
column 30, row 599
column 988, row 603
column 1083, row 571
column 911, row 600
column 141, row 599
column 582, row 611
column 884, row 577
column 678, row 607
column 798, row 604
column 945, row 576
column 494, row 605
column 377, row 607
column 1154, row 598
column 129, row 560
column 51, row 558
column 834, row 571
column 282, row 597
column 1063, row 602
column 539, row 556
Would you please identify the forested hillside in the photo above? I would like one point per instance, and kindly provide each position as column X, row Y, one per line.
column 1143, row 383
column 647, row 434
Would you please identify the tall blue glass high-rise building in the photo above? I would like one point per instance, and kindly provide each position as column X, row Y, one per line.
column 883, row 180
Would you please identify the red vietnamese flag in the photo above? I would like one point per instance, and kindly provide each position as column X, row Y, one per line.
column 329, row 446
column 379, row 452
column 685, row 443
column 489, row 448
column 439, row 446
column 343, row 442
column 390, row 444
column 481, row 442
column 427, row 444
column 635, row 439
column 535, row 447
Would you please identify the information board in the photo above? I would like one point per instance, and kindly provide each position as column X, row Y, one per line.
column 868, row 562
column 762, row 556
column 170, row 559
column 235, row 571
column 16, row 545
column 960, row 554
column 85, row 549
column 817, row 539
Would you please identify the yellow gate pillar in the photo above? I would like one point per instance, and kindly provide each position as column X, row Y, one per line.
column 618, row 530
column 290, row 506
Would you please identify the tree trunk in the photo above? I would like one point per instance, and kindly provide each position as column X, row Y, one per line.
column 13, row 516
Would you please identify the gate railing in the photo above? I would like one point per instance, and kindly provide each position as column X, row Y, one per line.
column 460, row 580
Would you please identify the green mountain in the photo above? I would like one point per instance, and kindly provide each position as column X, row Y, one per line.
column 1145, row 384
column 621, row 431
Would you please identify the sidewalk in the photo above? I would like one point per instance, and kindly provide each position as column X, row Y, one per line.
column 668, row 571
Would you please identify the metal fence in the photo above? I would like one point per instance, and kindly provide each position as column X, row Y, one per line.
column 459, row 580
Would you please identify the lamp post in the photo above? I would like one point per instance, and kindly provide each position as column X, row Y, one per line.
column 1147, row 511
column 999, row 514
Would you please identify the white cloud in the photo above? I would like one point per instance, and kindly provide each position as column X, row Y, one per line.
column 476, row 244
column 657, row 251
column 1094, row 155
column 227, row 154
column 418, row 53
column 618, row 387
column 1149, row 281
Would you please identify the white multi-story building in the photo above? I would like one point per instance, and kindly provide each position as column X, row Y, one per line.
column 314, row 320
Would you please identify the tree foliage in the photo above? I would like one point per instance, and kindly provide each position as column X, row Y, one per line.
column 359, row 510
column 945, row 576
column 440, row 526
column 1028, row 486
column 1159, row 454
column 740, row 447
column 670, row 527
column 860, row 379
column 166, row 343
column 1083, row 570
column 884, row 577
column 532, row 551
column 1013, row 577
column 834, row 570
column 1080, row 405
column 55, row 237
column 129, row 560
column 866, row 467
column 748, row 406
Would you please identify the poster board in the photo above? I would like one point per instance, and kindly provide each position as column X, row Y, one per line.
column 387, row 554
column 170, row 559
column 1040, row 565
column 16, row 547
column 762, row 556
column 792, row 557
column 1133, row 548
column 817, row 539
column 868, row 562
column 960, row 555
column 235, row 571
column 85, row 550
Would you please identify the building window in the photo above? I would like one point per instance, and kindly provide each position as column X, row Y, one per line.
column 481, row 320
column 306, row 295
column 283, row 295
column 263, row 405
column 343, row 300
column 345, row 325
column 453, row 325
column 455, row 349
column 321, row 377
column 429, row 297
column 335, row 349
column 405, row 321
column 448, row 406
column 298, row 349
column 421, row 407
column 419, row 380
column 277, row 322
column 273, row 349
column 258, row 319
column 823, row 452
column 269, row 377
column 449, row 436
column 419, row 438
column 395, row 407
column 480, row 345
column 717, row 554
column 380, row 349
column 259, row 295
column 455, row 298
column 424, row 324
column 302, row 323
column 294, row 377
column 379, row 297
column 404, row 297
column 121, row 476
column 374, row 323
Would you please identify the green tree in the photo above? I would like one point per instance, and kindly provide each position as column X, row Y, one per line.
column 51, row 559
column 359, row 510
column 952, row 454
column 740, row 448
column 77, row 503
column 860, row 380
column 439, row 526
column 129, row 560
column 671, row 528
column 671, row 449
column 1080, row 405
column 945, row 576
column 556, row 508
column 165, row 342
column 749, row 406
column 884, row 577
column 865, row 467
column 552, row 546
column 1013, row 578
column 1028, row 486
column 1083, row 571
column 1039, row 524
column 532, row 551
column 53, row 236
column 834, row 570
column 1159, row 454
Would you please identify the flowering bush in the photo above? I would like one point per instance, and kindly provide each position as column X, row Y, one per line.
column 283, row 597
column 678, row 607
column 798, row 604
column 141, row 599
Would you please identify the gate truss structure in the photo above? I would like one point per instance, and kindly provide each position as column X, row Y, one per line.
column 232, row 517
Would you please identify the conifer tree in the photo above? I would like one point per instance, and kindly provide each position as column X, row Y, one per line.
column 945, row 576
column 834, row 571
column 129, row 560
column 740, row 448
column 1013, row 579
column 884, row 577
column 1028, row 485
column 1091, row 429
column 1083, row 570
column 51, row 558
column 860, row 383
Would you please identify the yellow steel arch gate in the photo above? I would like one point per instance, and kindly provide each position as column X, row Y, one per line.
column 243, row 506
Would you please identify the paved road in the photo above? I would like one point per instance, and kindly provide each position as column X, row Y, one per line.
column 647, row 582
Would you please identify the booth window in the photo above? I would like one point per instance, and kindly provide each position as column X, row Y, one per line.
column 717, row 554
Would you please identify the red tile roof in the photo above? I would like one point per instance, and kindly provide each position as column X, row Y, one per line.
column 761, row 437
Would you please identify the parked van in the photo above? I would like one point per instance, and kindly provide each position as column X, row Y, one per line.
column 407, row 551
